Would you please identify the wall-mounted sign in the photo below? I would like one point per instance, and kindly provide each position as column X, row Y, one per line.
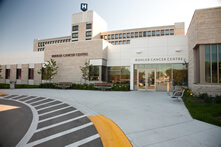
column 69, row 55
column 159, row 59
column 84, row 6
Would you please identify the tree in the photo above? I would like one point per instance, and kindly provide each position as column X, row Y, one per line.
column 49, row 71
column 85, row 71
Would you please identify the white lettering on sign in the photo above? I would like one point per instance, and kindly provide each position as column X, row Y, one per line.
column 159, row 59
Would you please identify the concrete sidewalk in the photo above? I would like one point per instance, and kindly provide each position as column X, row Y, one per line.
column 147, row 118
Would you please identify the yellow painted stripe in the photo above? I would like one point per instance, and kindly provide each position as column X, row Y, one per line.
column 1, row 93
column 111, row 135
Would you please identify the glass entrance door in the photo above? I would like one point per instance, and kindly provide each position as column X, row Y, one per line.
column 146, row 79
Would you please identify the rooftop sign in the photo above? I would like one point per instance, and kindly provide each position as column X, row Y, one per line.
column 84, row 6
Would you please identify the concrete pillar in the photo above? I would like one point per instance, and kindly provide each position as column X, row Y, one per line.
column 131, row 77
column 24, row 73
column 2, row 79
column 13, row 72
column 37, row 77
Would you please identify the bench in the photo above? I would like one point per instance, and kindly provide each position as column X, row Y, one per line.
column 103, row 86
column 64, row 85
column 178, row 93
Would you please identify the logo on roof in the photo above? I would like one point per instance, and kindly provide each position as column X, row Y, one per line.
column 84, row 6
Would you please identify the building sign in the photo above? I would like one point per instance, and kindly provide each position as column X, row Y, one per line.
column 70, row 55
column 159, row 59
column 84, row 6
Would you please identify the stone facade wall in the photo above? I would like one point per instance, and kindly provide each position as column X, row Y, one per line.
column 13, row 72
column 204, row 29
column 206, row 88
column 37, row 77
column 2, row 79
column 69, row 67
column 24, row 73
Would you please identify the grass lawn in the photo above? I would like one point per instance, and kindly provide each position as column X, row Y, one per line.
column 210, row 113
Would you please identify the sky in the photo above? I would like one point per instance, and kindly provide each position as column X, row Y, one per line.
column 22, row 21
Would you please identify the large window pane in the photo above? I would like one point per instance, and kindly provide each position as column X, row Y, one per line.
column 31, row 73
column 164, row 74
column 18, row 74
column 125, row 75
column 94, row 73
column 214, row 64
column 7, row 74
column 207, row 64
column 219, row 50
column 180, row 74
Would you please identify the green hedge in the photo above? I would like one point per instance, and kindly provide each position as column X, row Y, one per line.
column 4, row 86
column 26, row 86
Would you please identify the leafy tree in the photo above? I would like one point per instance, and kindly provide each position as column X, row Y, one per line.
column 49, row 71
column 85, row 71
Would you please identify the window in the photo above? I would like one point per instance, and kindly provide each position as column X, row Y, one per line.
column 112, row 36
column 124, row 35
column 18, row 74
column 120, row 42
column 172, row 32
column 128, row 41
column 119, row 75
column 116, row 42
column 213, row 63
column 144, row 34
column 112, row 42
column 94, row 73
column 88, row 38
column 88, row 34
column 162, row 32
column 31, row 73
column 136, row 34
column 132, row 35
column 124, row 42
column 149, row 33
column 88, row 26
column 153, row 33
column 120, row 36
column 116, row 36
column 158, row 32
column 7, row 74
column 74, row 35
column 128, row 35
column 74, row 40
column 167, row 32
column 109, row 37
column 105, row 37
column 140, row 34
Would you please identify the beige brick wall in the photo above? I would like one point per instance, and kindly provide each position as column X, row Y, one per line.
column 81, row 31
column 24, row 73
column 13, row 72
column 2, row 80
column 37, row 77
column 205, row 28
column 69, row 67
column 213, row 90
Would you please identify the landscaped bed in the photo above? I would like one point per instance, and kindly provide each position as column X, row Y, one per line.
column 203, row 107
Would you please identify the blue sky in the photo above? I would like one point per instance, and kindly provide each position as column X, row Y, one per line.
column 21, row 21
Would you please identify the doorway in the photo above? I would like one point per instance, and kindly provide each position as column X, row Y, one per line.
column 146, row 79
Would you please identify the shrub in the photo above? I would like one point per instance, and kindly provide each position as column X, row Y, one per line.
column 188, row 95
column 26, row 86
column 218, row 99
column 47, row 85
column 4, row 86
column 206, row 98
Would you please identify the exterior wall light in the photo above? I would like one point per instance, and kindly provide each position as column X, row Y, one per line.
column 138, row 52
column 184, row 62
column 178, row 50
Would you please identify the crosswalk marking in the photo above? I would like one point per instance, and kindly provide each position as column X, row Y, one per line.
column 46, row 119
column 30, row 99
column 54, row 110
column 50, row 106
column 58, row 134
column 38, row 101
column 83, row 141
column 45, row 103
column 60, row 123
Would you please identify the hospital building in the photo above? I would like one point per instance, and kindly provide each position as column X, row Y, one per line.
column 146, row 58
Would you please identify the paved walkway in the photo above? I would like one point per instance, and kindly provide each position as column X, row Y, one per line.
column 147, row 118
